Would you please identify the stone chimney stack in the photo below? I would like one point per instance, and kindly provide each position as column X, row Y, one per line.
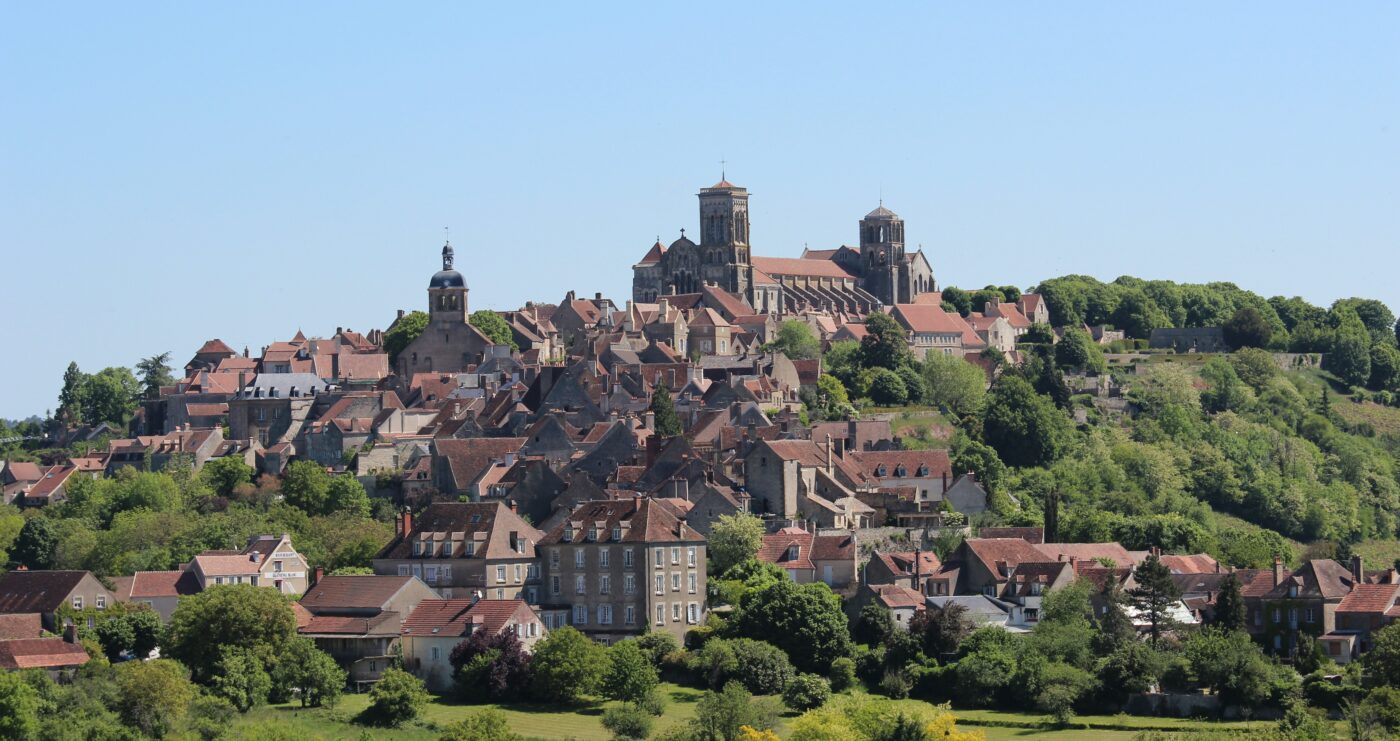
column 1278, row 570
column 828, row 454
column 70, row 633
column 1357, row 574
column 318, row 575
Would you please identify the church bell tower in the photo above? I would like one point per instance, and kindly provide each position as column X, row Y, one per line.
column 724, row 236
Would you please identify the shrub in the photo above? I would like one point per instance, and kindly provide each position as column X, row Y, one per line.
column 1385, row 703
column 657, row 646
column 482, row 725
column 761, row 668
column 806, row 691
column 396, row 699
column 843, row 674
column 627, row 722
column 895, row 684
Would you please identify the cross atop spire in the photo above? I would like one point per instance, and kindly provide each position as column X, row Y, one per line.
column 722, row 163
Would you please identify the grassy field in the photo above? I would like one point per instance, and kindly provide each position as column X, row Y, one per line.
column 923, row 428
column 279, row 722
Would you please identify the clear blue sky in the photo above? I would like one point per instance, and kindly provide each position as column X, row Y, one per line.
column 175, row 172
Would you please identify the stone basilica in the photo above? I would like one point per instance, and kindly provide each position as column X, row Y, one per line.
column 846, row 279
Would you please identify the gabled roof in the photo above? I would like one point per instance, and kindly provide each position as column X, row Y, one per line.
column 897, row 597
column 468, row 458
column 1087, row 552
column 20, row 625
column 37, row 591
column 1011, row 551
column 1320, row 578
column 776, row 547
column 902, row 562
column 889, row 464
column 214, row 347
column 460, row 617
column 1375, row 599
column 654, row 254
column 795, row 266
column 1032, row 535
column 642, row 520
column 334, row 593
column 380, row 625
column 151, row 584
column 490, row 523
column 41, row 653
column 1198, row 563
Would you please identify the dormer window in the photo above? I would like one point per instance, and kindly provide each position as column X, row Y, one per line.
column 569, row 534
column 923, row 470
column 471, row 549
column 617, row 533
column 881, row 470
column 899, row 470
column 476, row 519
column 447, row 548
column 592, row 533
column 1292, row 590
column 793, row 552
column 417, row 548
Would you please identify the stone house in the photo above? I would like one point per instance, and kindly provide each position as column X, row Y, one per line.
column 1286, row 605
column 1364, row 610
column 159, row 590
column 710, row 334
column 1188, row 339
column 618, row 568
column 436, row 626
column 807, row 557
column 51, row 594
column 798, row 479
column 466, row 549
column 273, row 407
column 267, row 561
column 933, row 330
column 358, row 620
column 983, row 566
column 912, row 569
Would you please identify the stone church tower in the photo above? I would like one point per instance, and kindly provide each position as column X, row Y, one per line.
column 449, row 344
column 724, row 237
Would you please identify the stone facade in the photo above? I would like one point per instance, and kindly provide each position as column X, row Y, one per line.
column 449, row 343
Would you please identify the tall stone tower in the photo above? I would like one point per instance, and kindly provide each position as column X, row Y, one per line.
column 882, row 255
column 724, row 236
column 447, row 294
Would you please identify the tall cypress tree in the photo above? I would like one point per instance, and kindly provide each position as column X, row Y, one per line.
column 667, row 423
column 70, row 403
column 1229, row 604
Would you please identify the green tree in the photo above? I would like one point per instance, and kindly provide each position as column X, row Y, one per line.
column 308, row 672
column 627, row 722
column 1375, row 316
column 874, row 625
column 36, row 544
column 1227, row 393
column 1155, row 595
column 154, row 372
column 224, row 475
column 1255, row 367
column 630, row 675
column 734, row 539
column 1247, row 328
column 1078, row 351
column 1133, row 667
column 307, row 486
column 567, row 665
column 488, row 724
column 884, row 344
column 241, row 679
column 154, row 695
column 1350, row 356
column 404, row 331
column 1229, row 604
column 720, row 715
column 887, row 388
column 804, row 620
column 70, row 397
column 494, row 326
column 667, row 423
column 397, row 698
column 796, row 340
column 346, row 494
column 1385, row 367
column 19, row 707
column 1024, row 427
column 243, row 616
column 1382, row 662
column 110, row 395
column 954, row 384
column 833, row 402
column 806, row 691
column 960, row 299
column 1231, row 664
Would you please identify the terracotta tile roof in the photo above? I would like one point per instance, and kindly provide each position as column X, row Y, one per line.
column 1032, row 535
column 1028, row 574
column 37, row 591
column 362, row 366
column 1011, row 551
column 1100, row 576
column 1257, row 582
column 1012, row 315
column 383, row 624
column 776, row 546
column 1087, row 552
column 207, row 409
column 303, row 615
column 20, row 625
column 1031, row 301
column 486, row 524
column 333, row 593
column 1320, row 578
column 460, row 617
column 149, row 584
column 213, row 347
column 708, row 317
column 1372, row 598
column 41, row 653
column 23, row 471
column 928, row 319
column 468, row 458
column 761, row 278
column 53, row 479
column 813, row 455
column 226, row 563
column 898, row 597
column 235, row 364
column 834, row 547
column 1198, row 563
column 642, row 520
column 902, row 562
column 784, row 266
column 903, row 463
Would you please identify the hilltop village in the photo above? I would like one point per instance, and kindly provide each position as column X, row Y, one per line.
column 828, row 465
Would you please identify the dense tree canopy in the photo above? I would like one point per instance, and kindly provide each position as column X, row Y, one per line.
column 494, row 326
column 403, row 333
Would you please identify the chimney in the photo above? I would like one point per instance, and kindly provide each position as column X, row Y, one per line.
column 918, row 568
column 318, row 575
column 70, row 633
column 405, row 524
column 828, row 454
column 1278, row 570
column 681, row 530
column 242, row 380
column 509, row 459
column 570, row 296
column 1357, row 575
column 945, row 482
column 598, row 297
column 400, row 316
column 649, row 420
column 514, row 507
